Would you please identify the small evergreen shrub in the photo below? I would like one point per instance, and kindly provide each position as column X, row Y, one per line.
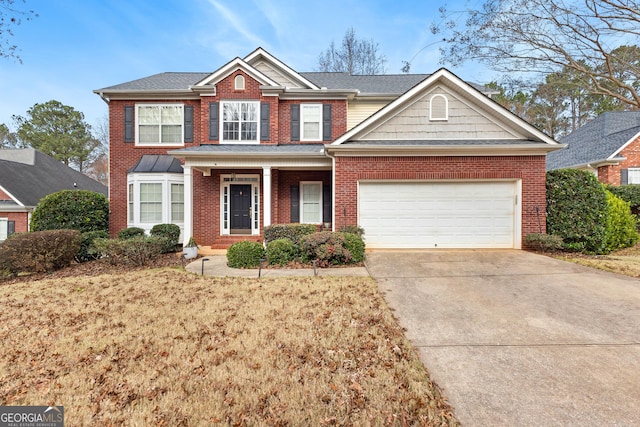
column 326, row 247
column 293, row 232
column 628, row 193
column 353, row 229
column 81, row 210
column 621, row 229
column 543, row 242
column 171, row 234
column 87, row 251
column 40, row 251
column 136, row 251
column 130, row 233
column 577, row 210
column 245, row 254
column 355, row 245
column 281, row 252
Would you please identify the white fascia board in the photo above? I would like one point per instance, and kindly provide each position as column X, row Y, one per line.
column 625, row 145
column 229, row 68
column 440, row 150
column 260, row 52
column 11, row 196
column 443, row 74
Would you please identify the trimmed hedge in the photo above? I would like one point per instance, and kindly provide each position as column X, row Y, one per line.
column 543, row 242
column 87, row 251
column 245, row 254
column 137, row 251
column 327, row 247
column 81, row 210
column 355, row 245
column 130, row 233
column 171, row 234
column 281, row 252
column 577, row 210
column 293, row 232
column 39, row 251
column 621, row 229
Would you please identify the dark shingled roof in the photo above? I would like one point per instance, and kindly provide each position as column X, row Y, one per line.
column 269, row 149
column 159, row 82
column 29, row 175
column 596, row 140
column 157, row 163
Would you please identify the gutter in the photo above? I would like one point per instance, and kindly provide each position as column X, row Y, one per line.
column 440, row 150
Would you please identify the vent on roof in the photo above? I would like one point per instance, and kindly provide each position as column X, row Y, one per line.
column 438, row 108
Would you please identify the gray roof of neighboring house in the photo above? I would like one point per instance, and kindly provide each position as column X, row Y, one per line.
column 390, row 84
column 29, row 175
column 157, row 163
column 597, row 140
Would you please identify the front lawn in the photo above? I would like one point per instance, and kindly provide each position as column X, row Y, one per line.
column 623, row 261
column 167, row 348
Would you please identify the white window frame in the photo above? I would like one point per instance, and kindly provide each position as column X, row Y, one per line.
column 4, row 228
column 166, row 179
column 633, row 176
column 173, row 203
column 179, row 143
column 226, row 181
column 319, row 202
column 238, row 82
column 446, row 109
column 304, row 107
column 222, row 122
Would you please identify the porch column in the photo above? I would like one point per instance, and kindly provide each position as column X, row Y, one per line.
column 266, row 195
column 188, row 204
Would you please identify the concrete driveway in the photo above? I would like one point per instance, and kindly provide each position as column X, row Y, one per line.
column 519, row 339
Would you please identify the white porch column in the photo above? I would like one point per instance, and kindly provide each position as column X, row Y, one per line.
column 188, row 204
column 266, row 195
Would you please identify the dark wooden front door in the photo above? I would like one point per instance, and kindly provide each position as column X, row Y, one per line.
column 241, row 208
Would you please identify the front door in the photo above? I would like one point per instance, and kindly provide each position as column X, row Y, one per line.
column 240, row 209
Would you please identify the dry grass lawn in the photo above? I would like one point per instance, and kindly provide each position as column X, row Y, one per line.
column 624, row 261
column 167, row 348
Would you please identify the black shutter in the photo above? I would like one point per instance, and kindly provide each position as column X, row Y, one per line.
column 213, row 121
column 295, row 122
column 326, row 203
column 128, row 124
column 624, row 177
column 294, row 198
column 11, row 228
column 188, row 123
column 265, row 121
column 326, row 122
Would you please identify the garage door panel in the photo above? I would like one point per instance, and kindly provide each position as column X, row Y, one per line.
column 445, row 215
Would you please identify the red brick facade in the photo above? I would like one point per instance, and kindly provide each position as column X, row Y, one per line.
column 611, row 174
column 21, row 219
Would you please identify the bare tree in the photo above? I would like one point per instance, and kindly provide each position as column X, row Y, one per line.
column 8, row 139
column 545, row 36
column 354, row 56
column 11, row 16
column 98, row 165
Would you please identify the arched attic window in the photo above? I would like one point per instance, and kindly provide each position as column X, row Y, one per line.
column 438, row 108
column 239, row 82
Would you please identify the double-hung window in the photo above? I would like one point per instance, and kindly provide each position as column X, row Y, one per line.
column 160, row 124
column 311, row 202
column 151, row 202
column 634, row 176
column 177, row 203
column 240, row 121
column 311, row 122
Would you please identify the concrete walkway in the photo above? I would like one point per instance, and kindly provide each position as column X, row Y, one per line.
column 216, row 265
column 519, row 339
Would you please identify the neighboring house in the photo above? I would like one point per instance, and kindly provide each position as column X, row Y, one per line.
column 26, row 176
column 608, row 146
column 418, row 161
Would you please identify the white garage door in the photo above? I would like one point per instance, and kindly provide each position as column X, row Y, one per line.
column 439, row 214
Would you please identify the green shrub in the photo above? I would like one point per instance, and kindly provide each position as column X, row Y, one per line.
column 543, row 242
column 281, row 252
column 87, row 251
column 130, row 233
column 621, row 229
column 355, row 245
column 81, row 210
column 353, row 229
column 136, row 251
column 628, row 193
column 40, row 251
column 326, row 247
column 171, row 234
column 245, row 254
column 293, row 232
column 577, row 210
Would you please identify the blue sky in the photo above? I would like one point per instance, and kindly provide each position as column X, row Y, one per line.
column 76, row 46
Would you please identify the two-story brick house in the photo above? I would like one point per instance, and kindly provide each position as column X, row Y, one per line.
column 416, row 160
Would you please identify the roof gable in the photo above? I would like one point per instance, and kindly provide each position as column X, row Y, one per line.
column 407, row 117
column 281, row 73
column 229, row 68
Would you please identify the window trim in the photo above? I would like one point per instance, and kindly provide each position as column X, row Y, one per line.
column 166, row 179
column 159, row 143
column 4, row 234
column 239, row 82
column 221, row 120
column 446, row 108
column 302, row 184
column 630, row 173
column 320, row 121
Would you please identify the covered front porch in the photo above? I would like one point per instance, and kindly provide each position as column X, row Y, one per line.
column 231, row 192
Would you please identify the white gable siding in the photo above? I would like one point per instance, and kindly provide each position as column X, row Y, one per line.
column 275, row 75
column 358, row 111
column 465, row 121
